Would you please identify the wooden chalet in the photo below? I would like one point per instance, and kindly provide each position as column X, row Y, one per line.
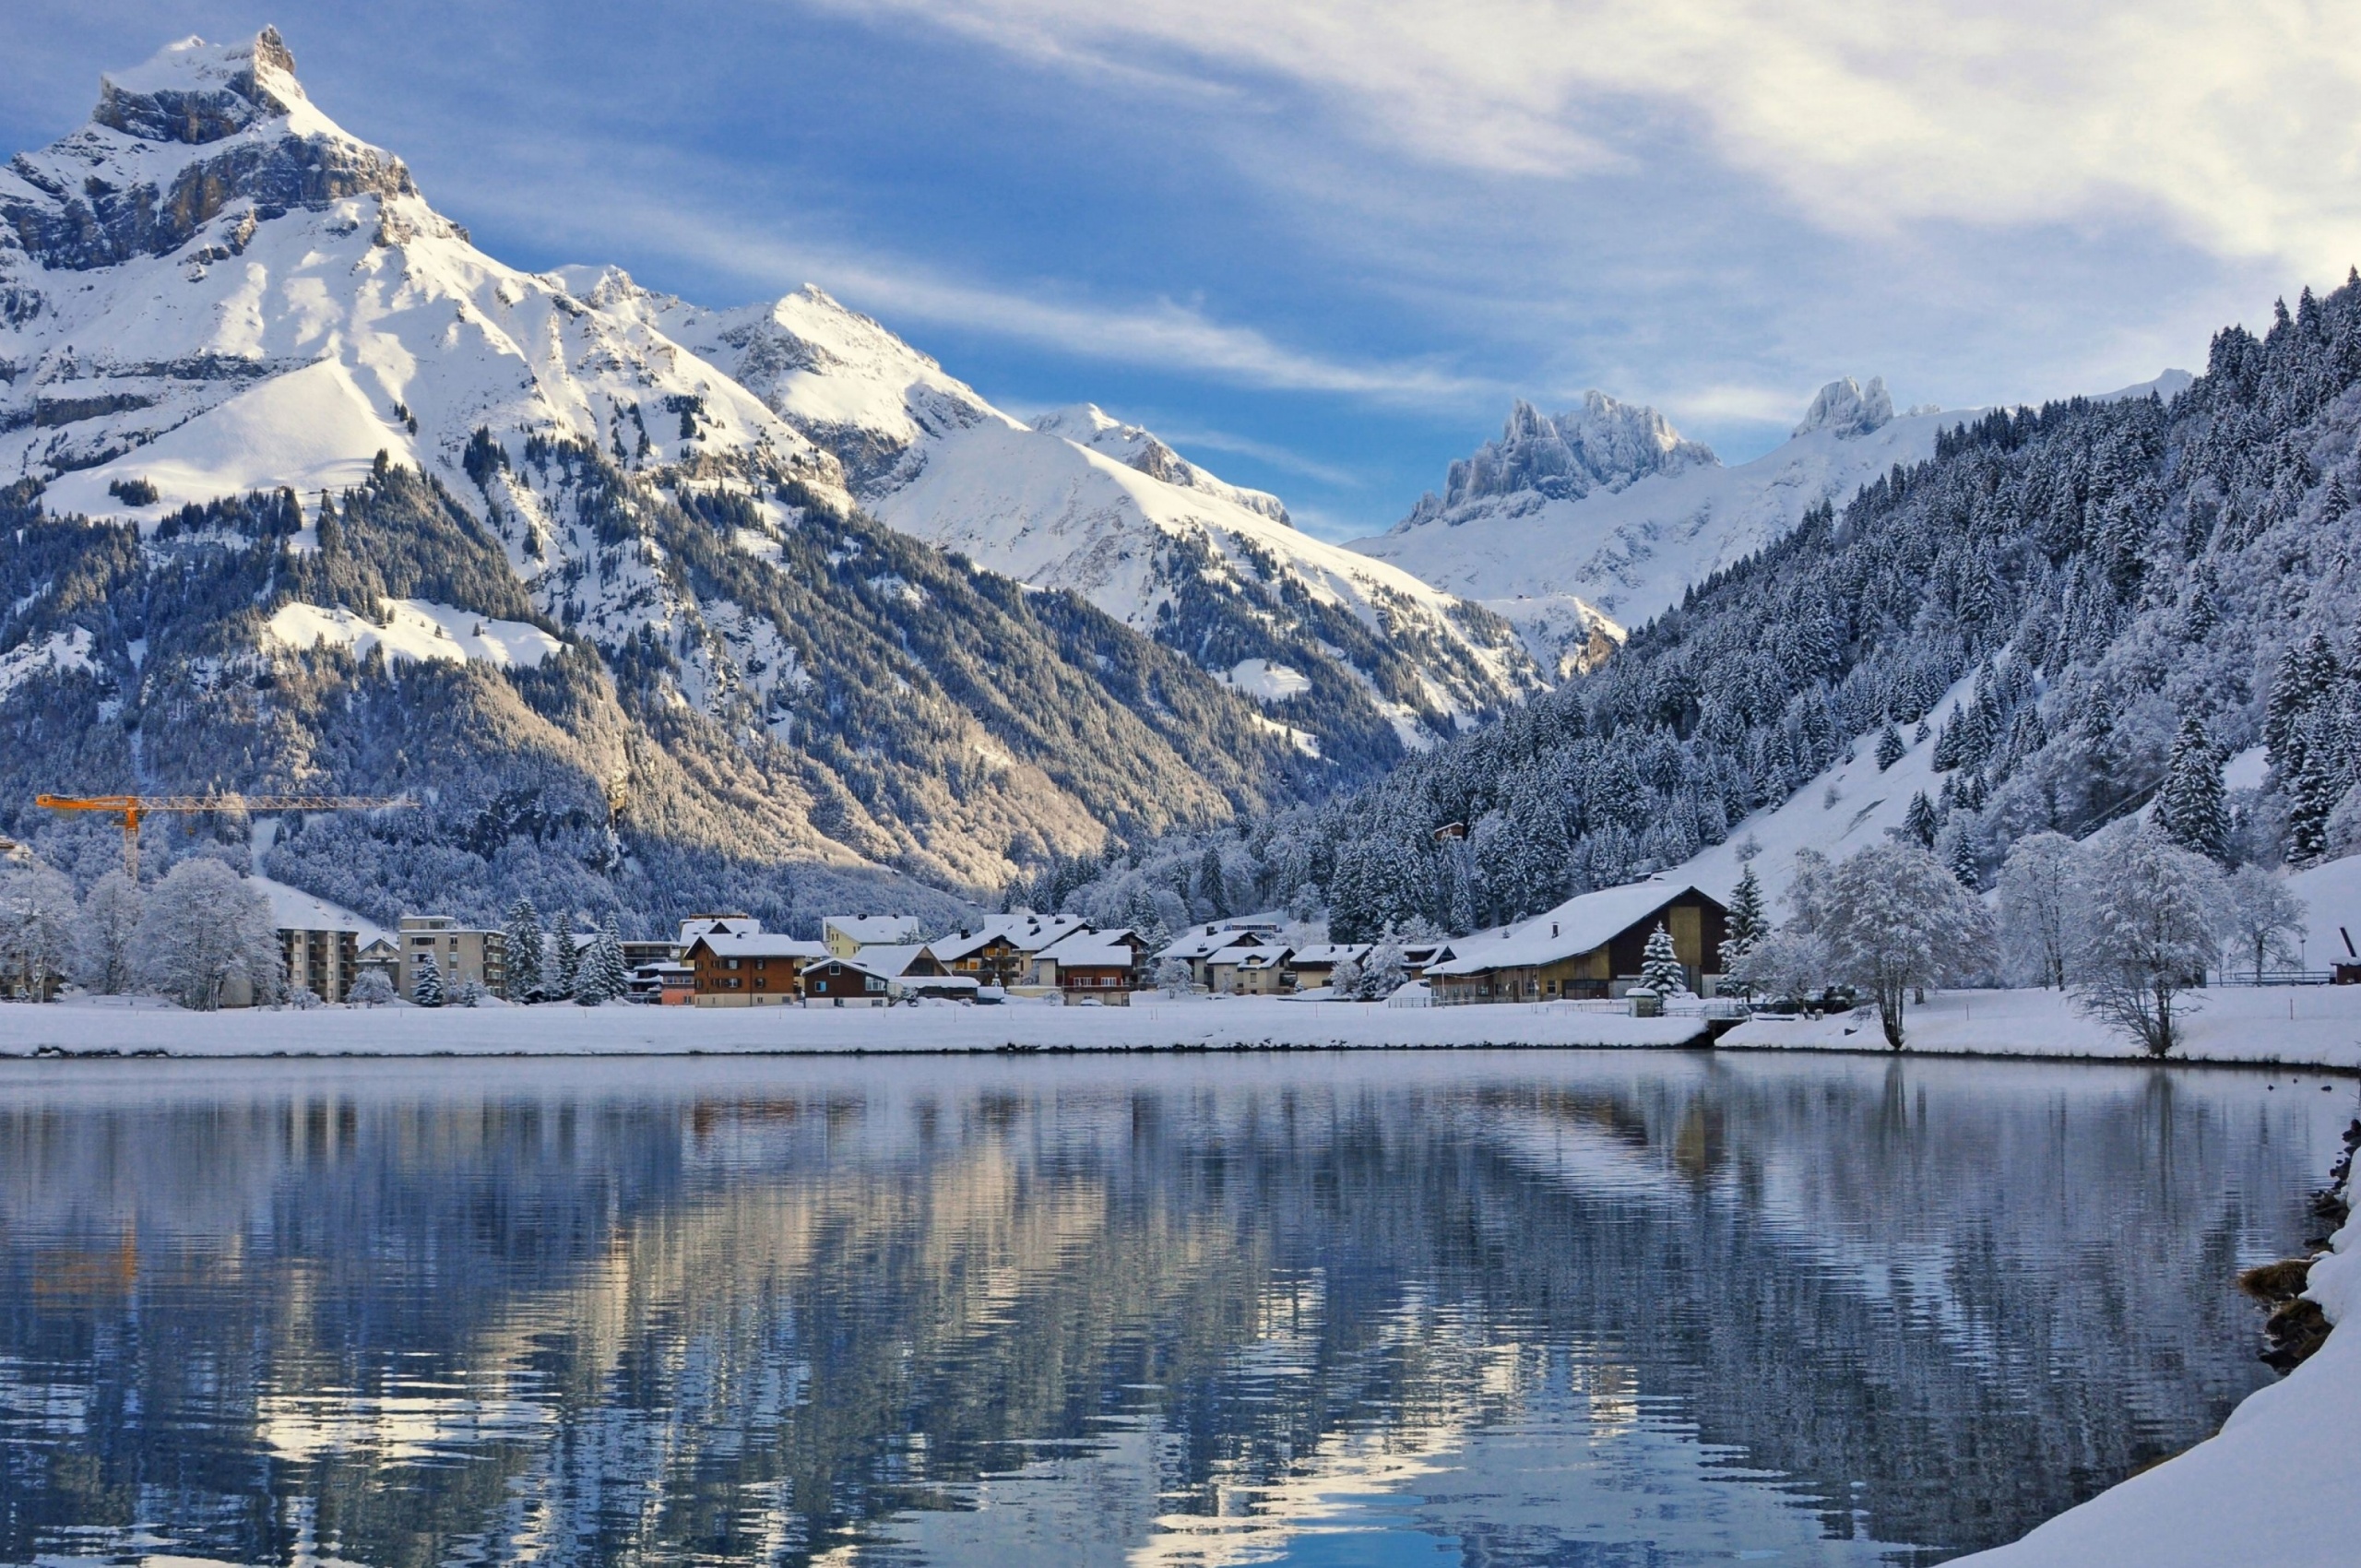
column 747, row 968
column 1589, row 946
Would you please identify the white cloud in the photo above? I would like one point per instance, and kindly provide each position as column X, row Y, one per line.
column 2238, row 120
column 1160, row 333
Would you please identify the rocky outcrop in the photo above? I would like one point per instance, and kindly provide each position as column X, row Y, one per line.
column 1847, row 408
column 1603, row 445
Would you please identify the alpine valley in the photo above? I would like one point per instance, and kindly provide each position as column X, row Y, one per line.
column 647, row 605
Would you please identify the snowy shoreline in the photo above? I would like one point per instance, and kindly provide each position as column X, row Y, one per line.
column 2318, row 1028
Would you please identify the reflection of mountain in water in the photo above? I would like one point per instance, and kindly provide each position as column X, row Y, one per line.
column 972, row 1313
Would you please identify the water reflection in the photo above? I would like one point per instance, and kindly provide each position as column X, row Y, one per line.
column 1494, row 1309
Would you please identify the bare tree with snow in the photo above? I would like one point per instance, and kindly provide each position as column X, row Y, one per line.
column 104, row 940
column 2152, row 916
column 2261, row 915
column 203, row 925
column 1896, row 919
column 2036, row 907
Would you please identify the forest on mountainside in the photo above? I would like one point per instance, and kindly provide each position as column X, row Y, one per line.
column 722, row 726
column 2094, row 570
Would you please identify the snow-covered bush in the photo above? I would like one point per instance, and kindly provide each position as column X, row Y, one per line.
column 2153, row 916
column 103, row 938
column 1897, row 921
column 1174, row 978
column 2036, row 910
column 203, row 924
column 37, row 920
column 1785, row 965
column 2259, row 915
column 372, row 987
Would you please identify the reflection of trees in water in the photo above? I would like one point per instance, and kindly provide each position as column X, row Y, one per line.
column 670, row 1326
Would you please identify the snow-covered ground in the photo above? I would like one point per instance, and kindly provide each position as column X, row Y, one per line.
column 114, row 1024
column 2313, row 1026
column 414, row 628
column 2276, row 1486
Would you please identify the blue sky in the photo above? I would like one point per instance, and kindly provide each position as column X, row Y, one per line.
column 1318, row 246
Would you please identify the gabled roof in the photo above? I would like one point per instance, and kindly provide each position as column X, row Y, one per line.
column 698, row 926
column 1331, row 953
column 1576, row 926
column 891, row 959
column 1200, row 942
column 1026, row 932
column 1093, row 950
column 757, row 944
column 875, row 929
column 1259, row 957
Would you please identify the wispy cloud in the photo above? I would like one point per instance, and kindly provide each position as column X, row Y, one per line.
column 1278, row 456
column 2239, row 124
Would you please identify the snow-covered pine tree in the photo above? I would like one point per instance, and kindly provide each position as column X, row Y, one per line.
column 614, row 971
column 1920, row 821
column 1959, row 860
column 426, row 990
column 1660, row 966
column 566, row 966
column 525, row 945
column 1889, row 747
column 2193, row 808
column 1749, row 922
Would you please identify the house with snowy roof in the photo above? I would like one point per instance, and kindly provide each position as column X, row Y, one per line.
column 848, row 934
column 1001, row 950
column 747, row 968
column 1589, row 946
column 1091, row 965
column 1197, row 946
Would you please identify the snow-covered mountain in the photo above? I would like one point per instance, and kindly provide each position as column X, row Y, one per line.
column 1078, row 500
column 360, row 454
column 1600, row 518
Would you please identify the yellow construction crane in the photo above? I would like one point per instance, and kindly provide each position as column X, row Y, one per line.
column 131, row 808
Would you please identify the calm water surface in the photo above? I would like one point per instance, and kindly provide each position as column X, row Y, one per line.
column 1487, row 1308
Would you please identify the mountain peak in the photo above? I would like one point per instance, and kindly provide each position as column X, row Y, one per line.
column 1604, row 445
column 1850, row 409
column 196, row 93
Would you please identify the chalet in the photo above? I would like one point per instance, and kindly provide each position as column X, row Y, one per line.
column 1315, row 962
column 747, row 969
column 881, row 974
column 1263, row 969
column 848, row 934
column 721, row 924
column 1092, row 965
column 1001, row 950
column 1197, row 946
column 1586, row 946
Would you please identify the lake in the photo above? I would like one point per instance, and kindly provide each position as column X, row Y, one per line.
column 1490, row 1309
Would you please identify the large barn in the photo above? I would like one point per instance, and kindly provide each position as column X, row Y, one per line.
column 1585, row 947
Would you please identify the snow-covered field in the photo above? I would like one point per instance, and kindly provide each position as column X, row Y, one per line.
column 622, row 1029
column 2313, row 1026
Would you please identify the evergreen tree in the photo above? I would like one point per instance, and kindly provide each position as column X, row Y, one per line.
column 567, row 965
column 1920, row 821
column 2191, row 808
column 1961, row 861
column 614, row 969
column 525, row 944
column 427, row 989
column 1889, row 747
column 1748, row 924
column 1660, row 966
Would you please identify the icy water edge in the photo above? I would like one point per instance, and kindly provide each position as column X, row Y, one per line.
column 1495, row 1308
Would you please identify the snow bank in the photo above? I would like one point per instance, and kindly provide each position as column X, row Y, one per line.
column 63, row 650
column 112, row 1024
column 2276, row 1486
column 417, row 630
column 2313, row 1026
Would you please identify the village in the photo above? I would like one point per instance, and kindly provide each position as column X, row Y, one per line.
column 1636, row 945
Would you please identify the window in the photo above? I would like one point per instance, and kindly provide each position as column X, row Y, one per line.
column 734, row 962
column 873, row 983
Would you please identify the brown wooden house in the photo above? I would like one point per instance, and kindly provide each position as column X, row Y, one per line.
column 1590, row 946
